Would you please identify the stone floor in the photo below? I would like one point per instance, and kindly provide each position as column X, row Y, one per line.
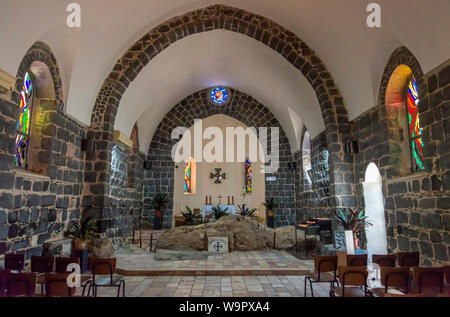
column 234, row 261
column 216, row 286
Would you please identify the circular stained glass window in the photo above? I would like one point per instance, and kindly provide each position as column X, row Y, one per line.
column 219, row 95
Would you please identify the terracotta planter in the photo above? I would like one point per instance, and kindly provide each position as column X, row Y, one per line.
column 79, row 244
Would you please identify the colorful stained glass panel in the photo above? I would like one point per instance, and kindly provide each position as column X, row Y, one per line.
column 188, row 177
column 248, row 176
column 219, row 95
column 24, row 122
column 415, row 131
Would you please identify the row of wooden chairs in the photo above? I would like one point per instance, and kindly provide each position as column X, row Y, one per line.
column 351, row 280
column 55, row 269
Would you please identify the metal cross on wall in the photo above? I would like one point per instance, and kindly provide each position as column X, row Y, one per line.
column 218, row 176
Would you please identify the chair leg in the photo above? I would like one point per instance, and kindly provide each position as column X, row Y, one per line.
column 118, row 289
column 311, row 286
column 305, row 286
column 123, row 288
column 42, row 288
column 95, row 290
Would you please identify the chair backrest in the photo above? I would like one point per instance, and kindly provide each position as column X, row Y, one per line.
column 408, row 259
column 14, row 262
column 2, row 282
column 395, row 277
column 42, row 264
column 429, row 279
column 353, row 275
column 62, row 263
column 384, row 260
column 324, row 264
column 102, row 266
column 20, row 284
column 356, row 259
column 56, row 285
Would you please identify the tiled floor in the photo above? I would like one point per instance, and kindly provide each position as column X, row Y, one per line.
column 239, row 261
column 216, row 286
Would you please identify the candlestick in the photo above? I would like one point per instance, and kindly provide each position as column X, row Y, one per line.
column 206, row 202
column 228, row 200
column 233, row 200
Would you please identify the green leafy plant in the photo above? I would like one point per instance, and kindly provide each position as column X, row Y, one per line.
column 245, row 211
column 82, row 229
column 190, row 217
column 352, row 219
column 270, row 204
column 159, row 201
column 218, row 212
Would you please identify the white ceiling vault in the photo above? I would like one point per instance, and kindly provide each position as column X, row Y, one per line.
column 354, row 54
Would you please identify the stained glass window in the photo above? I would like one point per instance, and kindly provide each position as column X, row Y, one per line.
column 188, row 177
column 248, row 176
column 24, row 122
column 415, row 131
column 219, row 95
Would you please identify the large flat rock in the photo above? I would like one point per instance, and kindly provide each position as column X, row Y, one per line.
column 250, row 235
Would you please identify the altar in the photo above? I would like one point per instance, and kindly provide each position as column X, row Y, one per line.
column 207, row 209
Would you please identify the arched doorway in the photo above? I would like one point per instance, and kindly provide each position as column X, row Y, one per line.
column 232, row 187
column 374, row 206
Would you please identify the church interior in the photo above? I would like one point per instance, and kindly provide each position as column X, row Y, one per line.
column 251, row 148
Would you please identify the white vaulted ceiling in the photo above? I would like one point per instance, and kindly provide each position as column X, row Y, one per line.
column 354, row 54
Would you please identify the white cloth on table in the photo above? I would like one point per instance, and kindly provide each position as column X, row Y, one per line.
column 207, row 209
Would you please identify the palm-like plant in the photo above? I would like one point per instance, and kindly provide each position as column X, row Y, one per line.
column 245, row 211
column 83, row 229
column 218, row 212
column 270, row 204
column 159, row 201
column 189, row 216
column 352, row 219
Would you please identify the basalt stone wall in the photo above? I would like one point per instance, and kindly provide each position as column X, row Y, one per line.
column 199, row 106
column 313, row 201
column 417, row 205
column 36, row 207
column 123, row 201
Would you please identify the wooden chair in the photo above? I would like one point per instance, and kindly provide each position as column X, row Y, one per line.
column 396, row 277
column 104, row 275
column 325, row 270
column 2, row 282
column 61, row 265
column 20, row 284
column 428, row 280
column 408, row 259
column 41, row 265
column 356, row 259
column 14, row 262
column 353, row 276
column 56, row 285
column 384, row 260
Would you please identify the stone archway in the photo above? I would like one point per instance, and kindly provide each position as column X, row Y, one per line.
column 241, row 107
column 262, row 29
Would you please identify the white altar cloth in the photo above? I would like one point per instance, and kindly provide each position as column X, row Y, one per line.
column 208, row 208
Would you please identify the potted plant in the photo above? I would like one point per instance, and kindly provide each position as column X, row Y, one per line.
column 218, row 212
column 190, row 217
column 81, row 232
column 158, row 203
column 352, row 220
column 270, row 205
column 245, row 211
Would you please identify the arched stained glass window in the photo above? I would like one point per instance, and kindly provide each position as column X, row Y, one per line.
column 188, row 177
column 24, row 122
column 248, row 176
column 415, row 131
